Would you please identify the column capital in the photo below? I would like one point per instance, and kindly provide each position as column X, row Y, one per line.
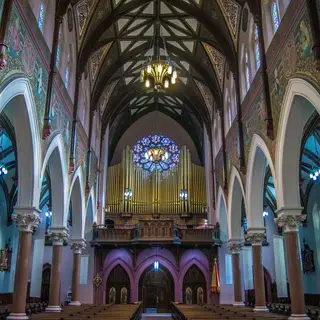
column 58, row 235
column 27, row 218
column 256, row 236
column 77, row 246
column 235, row 245
column 290, row 223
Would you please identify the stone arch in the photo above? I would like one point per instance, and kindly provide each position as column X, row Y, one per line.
column 293, row 118
column 76, row 196
column 17, row 96
column 259, row 155
column 235, row 196
column 55, row 159
column 222, row 215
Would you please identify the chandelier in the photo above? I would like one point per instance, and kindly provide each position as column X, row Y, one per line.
column 155, row 72
column 156, row 155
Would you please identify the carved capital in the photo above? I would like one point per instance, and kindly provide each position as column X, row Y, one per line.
column 27, row 219
column 256, row 236
column 58, row 235
column 235, row 246
column 290, row 223
column 77, row 246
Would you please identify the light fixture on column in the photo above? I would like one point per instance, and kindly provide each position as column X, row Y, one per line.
column 127, row 193
column 183, row 194
column 3, row 56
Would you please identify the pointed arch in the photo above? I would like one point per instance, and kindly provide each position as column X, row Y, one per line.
column 55, row 159
column 259, row 155
column 222, row 214
column 77, row 198
column 17, row 96
column 235, row 195
column 301, row 99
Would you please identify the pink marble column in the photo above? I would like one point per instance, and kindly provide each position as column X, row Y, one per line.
column 27, row 219
column 290, row 220
column 235, row 246
column 256, row 236
column 77, row 247
column 58, row 236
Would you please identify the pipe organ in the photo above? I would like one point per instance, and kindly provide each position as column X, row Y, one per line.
column 133, row 192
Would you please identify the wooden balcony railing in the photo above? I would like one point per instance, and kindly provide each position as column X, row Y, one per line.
column 156, row 230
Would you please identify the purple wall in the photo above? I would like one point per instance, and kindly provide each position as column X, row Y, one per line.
column 145, row 259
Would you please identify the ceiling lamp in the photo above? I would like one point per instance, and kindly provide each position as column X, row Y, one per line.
column 156, row 155
column 155, row 72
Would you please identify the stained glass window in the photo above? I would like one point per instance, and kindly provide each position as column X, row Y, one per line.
column 275, row 16
column 256, row 46
column 66, row 80
column 167, row 145
column 247, row 70
column 41, row 16
column 58, row 50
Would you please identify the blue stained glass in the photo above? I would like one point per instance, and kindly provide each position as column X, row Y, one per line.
column 58, row 51
column 256, row 46
column 41, row 16
column 156, row 141
column 275, row 16
column 247, row 71
column 66, row 80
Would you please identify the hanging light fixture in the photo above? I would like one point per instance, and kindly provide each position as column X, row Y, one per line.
column 156, row 72
column 156, row 154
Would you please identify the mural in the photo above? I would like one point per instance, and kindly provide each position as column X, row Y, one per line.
column 294, row 60
column 112, row 295
column 232, row 148
column 61, row 119
column 23, row 60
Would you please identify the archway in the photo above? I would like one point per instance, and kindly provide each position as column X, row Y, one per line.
column 156, row 288
column 194, row 286
column 118, row 288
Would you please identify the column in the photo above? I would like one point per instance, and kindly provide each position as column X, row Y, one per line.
column 235, row 246
column 77, row 247
column 27, row 219
column 256, row 236
column 290, row 220
column 58, row 236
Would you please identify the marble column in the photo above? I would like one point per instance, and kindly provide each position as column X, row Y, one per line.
column 77, row 247
column 235, row 246
column 255, row 237
column 290, row 220
column 58, row 236
column 27, row 219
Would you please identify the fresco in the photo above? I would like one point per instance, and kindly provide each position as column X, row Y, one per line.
column 294, row 61
column 23, row 60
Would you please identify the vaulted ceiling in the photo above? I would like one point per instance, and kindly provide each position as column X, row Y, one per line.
column 114, row 40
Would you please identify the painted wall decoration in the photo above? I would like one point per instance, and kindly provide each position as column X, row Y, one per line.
column 232, row 148
column 207, row 96
column 112, row 295
column 218, row 62
column 200, row 296
column 294, row 61
column 81, row 155
column 61, row 120
column 24, row 61
column 219, row 172
column 124, row 295
column 106, row 96
column 188, row 294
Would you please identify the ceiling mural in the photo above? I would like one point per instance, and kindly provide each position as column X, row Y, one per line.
column 207, row 96
column 96, row 59
column 232, row 12
column 218, row 62
column 106, row 95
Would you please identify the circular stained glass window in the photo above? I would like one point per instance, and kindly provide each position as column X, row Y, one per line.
column 156, row 152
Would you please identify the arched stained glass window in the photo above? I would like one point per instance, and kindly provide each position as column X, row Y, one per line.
column 41, row 15
column 167, row 154
column 275, row 16
column 58, row 50
column 247, row 70
column 66, row 80
column 256, row 46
